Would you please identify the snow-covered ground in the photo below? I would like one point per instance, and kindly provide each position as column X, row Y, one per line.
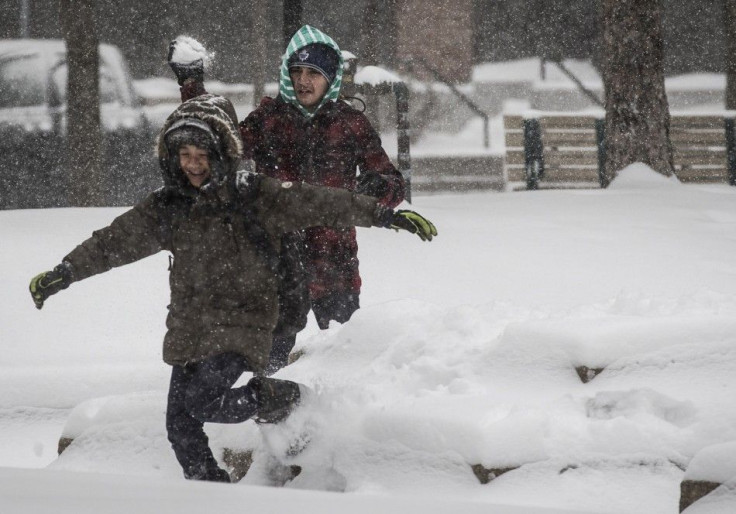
column 464, row 353
column 510, row 87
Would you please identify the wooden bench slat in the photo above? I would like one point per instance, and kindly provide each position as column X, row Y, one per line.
column 513, row 122
column 574, row 139
column 588, row 139
column 578, row 158
column 514, row 140
column 697, row 157
column 556, row 158
column 516, row 175
column 716, row 138
column 556, row 175
column 570, row 175
column 702, row 175
column 698, row 122
column 515, row 157
column 566, row 122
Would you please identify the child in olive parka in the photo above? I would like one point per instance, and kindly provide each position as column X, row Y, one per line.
column 223, row 228
column 308, row 134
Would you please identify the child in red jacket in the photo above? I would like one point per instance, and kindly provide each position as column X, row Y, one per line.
column 306, row 134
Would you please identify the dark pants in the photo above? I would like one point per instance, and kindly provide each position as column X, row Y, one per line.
column 337, row 306
column 202, row 393
column 280, row 350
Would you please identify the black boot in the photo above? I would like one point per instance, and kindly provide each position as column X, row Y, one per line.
column 211, row 474
column 276, row 398
column 217, row 475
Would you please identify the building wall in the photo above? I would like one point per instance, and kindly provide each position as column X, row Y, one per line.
column 439, row 32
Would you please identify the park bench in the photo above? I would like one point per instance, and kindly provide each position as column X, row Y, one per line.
column 553, row 150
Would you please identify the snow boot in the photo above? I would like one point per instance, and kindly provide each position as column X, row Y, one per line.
column 285, row 427
column 291, row 430
column 210, row 475
column 275, row 398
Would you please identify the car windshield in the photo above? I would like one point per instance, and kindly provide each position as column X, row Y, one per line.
column 22, row 81
column 108, row 88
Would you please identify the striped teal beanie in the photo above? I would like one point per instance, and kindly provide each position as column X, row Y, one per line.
column 303, row 37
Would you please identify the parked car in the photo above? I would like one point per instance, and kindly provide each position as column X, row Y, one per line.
column 33, row 127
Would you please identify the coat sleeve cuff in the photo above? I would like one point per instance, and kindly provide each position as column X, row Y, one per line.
column 382, row 216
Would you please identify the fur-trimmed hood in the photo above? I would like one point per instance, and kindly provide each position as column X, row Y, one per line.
column 219, row 114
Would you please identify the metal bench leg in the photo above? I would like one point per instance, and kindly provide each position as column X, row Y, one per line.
column 731, row 150
column 533, row 153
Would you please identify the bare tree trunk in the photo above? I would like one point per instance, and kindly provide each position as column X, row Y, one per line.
column 637, row 112
column 369, row 38
column 292, row 19
column 729, row 25
column 259, row 10
column 377, row 44
column 84, row 135
column 370, row 33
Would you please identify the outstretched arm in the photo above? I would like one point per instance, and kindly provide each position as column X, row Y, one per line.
column 289, row 206
column 135, row 234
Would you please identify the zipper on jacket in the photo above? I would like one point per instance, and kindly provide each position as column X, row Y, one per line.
column 311, row 173
column 228, row 222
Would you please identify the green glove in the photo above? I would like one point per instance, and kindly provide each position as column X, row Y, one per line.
column 414, row 223
column 50, row 282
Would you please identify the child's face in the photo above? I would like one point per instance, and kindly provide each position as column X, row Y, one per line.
column 309, row 85
column 195, row 164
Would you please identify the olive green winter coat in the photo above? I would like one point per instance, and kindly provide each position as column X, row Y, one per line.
column 223, row 287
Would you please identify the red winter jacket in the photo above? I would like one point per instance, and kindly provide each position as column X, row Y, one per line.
column 326, row 150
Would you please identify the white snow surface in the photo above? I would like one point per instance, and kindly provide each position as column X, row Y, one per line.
column 715, row 463
column 464, row 352
column 530, row 70
column 374, row 76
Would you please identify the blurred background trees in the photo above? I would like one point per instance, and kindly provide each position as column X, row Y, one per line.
column 693, row 30
column 83, row 148
column 729, row 23
column 637, row 111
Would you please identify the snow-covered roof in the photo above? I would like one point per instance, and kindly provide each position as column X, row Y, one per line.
column 12, row 47
column 374, row 75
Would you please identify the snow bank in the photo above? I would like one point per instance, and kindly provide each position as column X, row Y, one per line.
column 26, row 491
column 715, row 463
column 463, row 353
column 640, row 176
